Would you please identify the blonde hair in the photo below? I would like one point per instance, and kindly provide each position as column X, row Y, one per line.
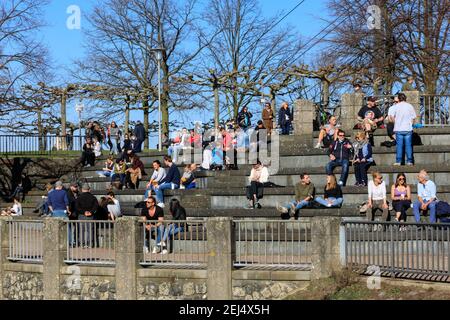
column 375, row 174
column 332, row 184
column 361, row 135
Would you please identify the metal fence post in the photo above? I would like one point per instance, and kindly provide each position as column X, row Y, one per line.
column 343, row 244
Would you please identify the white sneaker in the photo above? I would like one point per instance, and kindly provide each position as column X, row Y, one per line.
column 145, row 250
column 161, row 205
column 162, row 243
column 375, row 228
column 329, row 205
column 164, row 251
column 317, row 146
column 282, row 209
column 340, row 183
column 155, row 250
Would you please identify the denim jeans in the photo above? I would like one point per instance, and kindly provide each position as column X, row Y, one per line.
column 361, row 172
column 59, row 214
column 285, row 128
column 114, row 149
column 148, row 233
column 339, row 163
column 404, row 139
column 298, row 206
column 160, row 191
column 171, row 230
column 431, row 207
column 121, row 176
column 335, row 202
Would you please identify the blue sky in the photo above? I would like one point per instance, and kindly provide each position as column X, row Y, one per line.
column 65, row 45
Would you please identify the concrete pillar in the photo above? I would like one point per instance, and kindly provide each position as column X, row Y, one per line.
column 55, row 249
column 221, row 252
column 303, row 122
column 128, row 241
column 413, row 97
column 351, row 103
column 4, row 234
column 325, row 232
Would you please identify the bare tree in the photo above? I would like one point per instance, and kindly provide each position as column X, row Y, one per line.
column 248, row 47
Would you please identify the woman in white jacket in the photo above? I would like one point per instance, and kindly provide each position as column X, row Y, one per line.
column 259, row 176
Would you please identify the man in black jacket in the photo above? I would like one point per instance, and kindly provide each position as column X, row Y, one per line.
column 285, row 118
column 86, row 205
column 340, row 153
column 139, row 133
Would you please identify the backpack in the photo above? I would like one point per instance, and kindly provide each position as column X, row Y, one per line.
column 442, row 208
column 416, row 140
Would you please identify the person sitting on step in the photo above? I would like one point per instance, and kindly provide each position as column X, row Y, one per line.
column 332, row 194
column 340, row 153
column 401, row 198
column 328, row 133
column 304, row 195
column 258, row 177
column 427, row 198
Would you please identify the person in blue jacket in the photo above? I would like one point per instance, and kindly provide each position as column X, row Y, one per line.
column 285, row 118
column 171, row 181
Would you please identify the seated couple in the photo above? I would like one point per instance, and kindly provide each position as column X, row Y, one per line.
column 305, row 196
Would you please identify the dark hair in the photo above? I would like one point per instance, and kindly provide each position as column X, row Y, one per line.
column 401, row 97
column 340, row 130
column 399, row 176
column 302, row 176
column 157, row 162
column 168, row 158
column 151, row 197
column 111, row 194
column 174, row 205
column 104, row 202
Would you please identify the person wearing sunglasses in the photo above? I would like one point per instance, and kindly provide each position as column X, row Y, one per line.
column 426, row 194
column 401, row 198
column 153, row 217
column 377, row 200
column 340, row 153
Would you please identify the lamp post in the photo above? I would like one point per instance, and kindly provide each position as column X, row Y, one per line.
column 79, row 107
column 158, row 55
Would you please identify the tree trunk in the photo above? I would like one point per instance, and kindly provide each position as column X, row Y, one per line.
column 63, row 119
column 126, row 128
column 40, row 131
column 216, row 106
column 145, row 108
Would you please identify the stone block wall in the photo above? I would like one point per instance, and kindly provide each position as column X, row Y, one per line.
column 23, row 286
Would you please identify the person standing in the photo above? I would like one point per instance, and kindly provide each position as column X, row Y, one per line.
column 377, row 200
column 139, row 133
column 72, row 195
column 409, row 84
column 58, row 202
column 114, row 135
column 285, row 118
column 403, row 116
column 340, row 154
column 426, row 194
column 267, row 117
column 86, row 206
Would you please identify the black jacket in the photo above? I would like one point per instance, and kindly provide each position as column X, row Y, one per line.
column 173, row 175
column 242, row 117
column 180, row 214
column 282, row 116
column 86, row 202
column 139, row 132
column 339, row 150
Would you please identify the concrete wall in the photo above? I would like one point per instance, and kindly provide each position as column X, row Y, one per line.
column 127, row 279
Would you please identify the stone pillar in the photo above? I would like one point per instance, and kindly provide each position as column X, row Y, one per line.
column 351, row 103
column 55, row 249
column 220, row 235
column 128, row 241
column 4, row 234
column 413, row 97
column 303, row 122
column 325, row 257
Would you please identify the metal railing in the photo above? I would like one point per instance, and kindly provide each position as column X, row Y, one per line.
column 36, row 144
column 398, row 250
column 175, row 244
column 435, row 110
column 273, row 244
column 90, row 242
column 26, row 241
